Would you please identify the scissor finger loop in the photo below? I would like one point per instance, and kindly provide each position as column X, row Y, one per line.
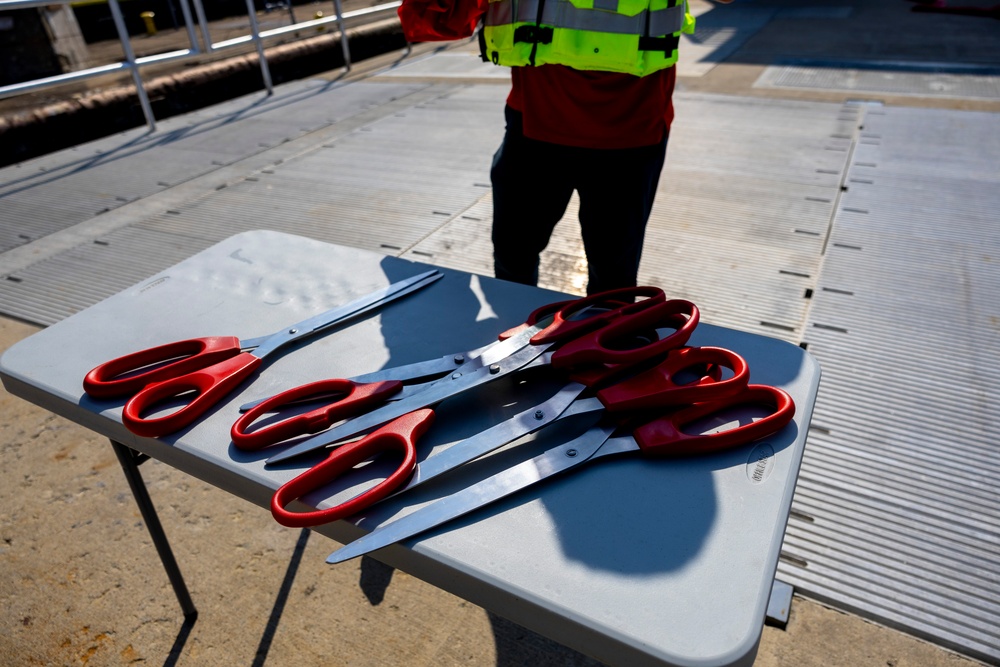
column 665, row 385
column 536, row 315
column 398, row 436
column 210, row 368
column 133, row 372
column 666, row 436
column 602, row 302
column 583, row 315
column 614, row 343
column 208, row 385
column 346, row 399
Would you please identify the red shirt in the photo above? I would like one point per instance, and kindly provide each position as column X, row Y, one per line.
column 559, row 104
column 571, row 107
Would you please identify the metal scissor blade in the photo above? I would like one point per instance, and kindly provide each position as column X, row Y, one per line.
column 417, row 370
column 446, row 364
column 420, row 369
column 407, row 372
column 402, row 394
column 562, row 405
column 432, row 394
column 462, row 362
column 307, row 327
column 393, row 292
column 521, row 476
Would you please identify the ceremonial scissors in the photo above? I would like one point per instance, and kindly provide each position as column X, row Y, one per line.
column 346, row 398
column 212, row 366
column 400, row 435
column 428, row 371
column 578, row 332
column 663, row 436
column 657, row 387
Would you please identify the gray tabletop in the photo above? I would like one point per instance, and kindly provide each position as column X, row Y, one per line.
column 631, row 561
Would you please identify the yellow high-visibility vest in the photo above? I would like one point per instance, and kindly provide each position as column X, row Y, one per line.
column 632, row 36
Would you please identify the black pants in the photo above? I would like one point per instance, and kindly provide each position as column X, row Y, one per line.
column 532, row 185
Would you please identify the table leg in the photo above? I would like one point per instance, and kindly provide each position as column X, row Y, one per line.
column 130, row 460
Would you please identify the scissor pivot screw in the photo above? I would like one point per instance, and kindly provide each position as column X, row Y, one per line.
column 459, row 358
column 293, row 331
column 539, row 414
column 494, row 369
column 571, row 453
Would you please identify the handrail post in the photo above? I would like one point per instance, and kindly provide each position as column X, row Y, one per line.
column 265, row 71
column 135, row 64
column 147, row 110
column 343, row 35
column 199, row 10
column 189, row 26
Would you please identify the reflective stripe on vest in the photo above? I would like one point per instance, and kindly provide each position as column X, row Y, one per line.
column 629, row 36
column 563, row 14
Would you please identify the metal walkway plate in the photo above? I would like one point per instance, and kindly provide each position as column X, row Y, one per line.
column 744, row 203
column 897, row 510
column 889, row 81
column 60, row 190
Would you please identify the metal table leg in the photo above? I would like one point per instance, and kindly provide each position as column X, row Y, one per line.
column 130, row 460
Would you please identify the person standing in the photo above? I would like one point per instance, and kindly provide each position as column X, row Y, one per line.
column 589, row 110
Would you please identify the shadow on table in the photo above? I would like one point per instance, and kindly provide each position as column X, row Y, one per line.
column 464, row 311
column 686, row 500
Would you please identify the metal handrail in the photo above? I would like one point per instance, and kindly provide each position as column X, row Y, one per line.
column 133, row 64
column 147, row 109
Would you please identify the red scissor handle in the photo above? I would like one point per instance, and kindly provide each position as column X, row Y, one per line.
column 564, row 327
column 125, row 376
column 666, row 437
column 613, row 342
column 536, row 315
column 211, row 385
column 661, row 386
column 552, row 308
column 399, row 435
column 349, row 399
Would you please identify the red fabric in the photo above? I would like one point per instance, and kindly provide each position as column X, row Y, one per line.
column 570, row 107
column 440, row 20
column 559, row 104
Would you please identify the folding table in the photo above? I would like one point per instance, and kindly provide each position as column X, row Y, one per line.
column 631, row 561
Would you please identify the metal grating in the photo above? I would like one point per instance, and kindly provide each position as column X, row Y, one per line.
column 897, row 510
column 382, row 187
column 887, row 81
column 59, row 286
column 55, row 192
column 745, row 206
column 375, row 184
column 464, row 64
column 754, row 181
